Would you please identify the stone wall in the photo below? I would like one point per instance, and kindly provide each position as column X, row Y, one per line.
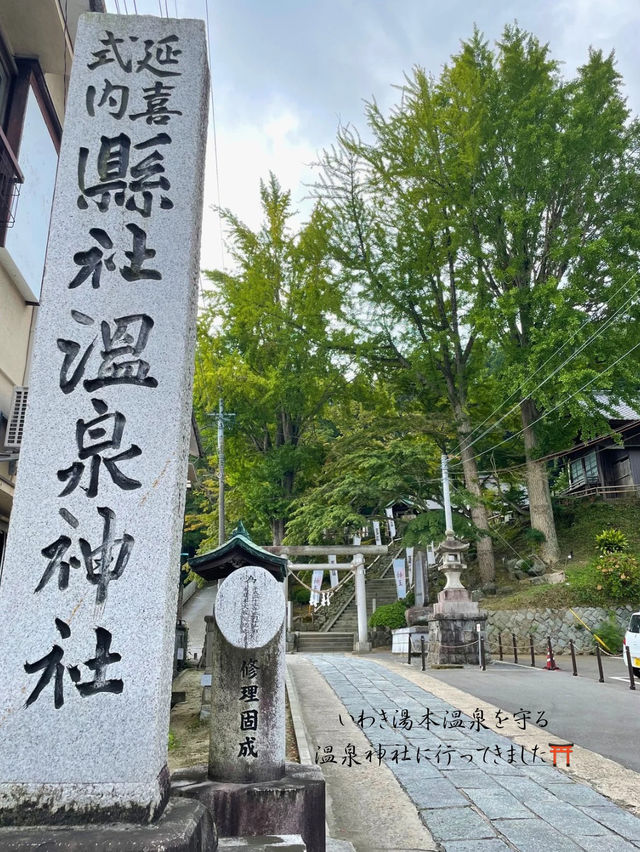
column 189, row 591
column 559, row 624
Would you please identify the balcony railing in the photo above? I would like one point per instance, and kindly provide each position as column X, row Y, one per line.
column 10, row 179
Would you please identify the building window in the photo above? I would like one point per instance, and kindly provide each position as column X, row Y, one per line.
column 591, row 468
column 576, row 473
column 584, row 471
column 32, row 138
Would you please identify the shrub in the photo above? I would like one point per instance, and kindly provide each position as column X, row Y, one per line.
column 612, row 540
column 191, row 576
column 534, row 536
column 611, row 634
column 389, row 615
column 619, row 576
column 300, row 595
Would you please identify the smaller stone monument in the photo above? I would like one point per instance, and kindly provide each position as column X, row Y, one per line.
column 453, row 625
column 247, row 786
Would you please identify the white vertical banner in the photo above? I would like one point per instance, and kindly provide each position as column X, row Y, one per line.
column 391, row 527
column 356, row 541
column 316, row 585
column 376, row 532
column 333, row 575
column 409, row 551
column 431, row 554
column 399, row 572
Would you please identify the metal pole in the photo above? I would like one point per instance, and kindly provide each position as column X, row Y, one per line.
column 408, row 649
column 599, row 658
column 483, row 665
column 422, row 649
column 533, row 656
column 515, row 648
column 221, row 537
column 448, row 518
column 419, row 590
column 552, row 662
column 573, row 658
column 632, row 684
column 500, row 646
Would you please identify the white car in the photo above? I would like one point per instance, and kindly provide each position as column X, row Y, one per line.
column 632, row 641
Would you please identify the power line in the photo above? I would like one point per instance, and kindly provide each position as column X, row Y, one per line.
column 561, row 403
column 213, row 122
column 553, row 355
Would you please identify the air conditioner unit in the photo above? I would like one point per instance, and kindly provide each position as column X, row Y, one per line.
column 15, row 426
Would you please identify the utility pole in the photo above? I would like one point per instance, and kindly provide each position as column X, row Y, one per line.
column 222, row 417
column 220, row 471
column 448, row 518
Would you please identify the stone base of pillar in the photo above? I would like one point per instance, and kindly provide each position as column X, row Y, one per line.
column 361, row 647
column 185, row 826
column 294, row 804
column 453, row 638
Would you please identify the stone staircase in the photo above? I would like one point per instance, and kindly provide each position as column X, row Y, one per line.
column 314, row 642
column 384, row 592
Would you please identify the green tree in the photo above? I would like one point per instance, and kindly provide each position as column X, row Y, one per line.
column 398, row 241
column 551, row 227
column 261, row 346
column 490, row 223
column 379, row 455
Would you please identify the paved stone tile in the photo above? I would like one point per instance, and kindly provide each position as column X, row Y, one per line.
column 545, row 774
column 473, row 779
column 457, row 824
column 493, row 845
column 502, row 768
column 498, row 804
column 432, row 792
column 566, row 818
column 616, row 819
column 605, row 844
column 579, row 794
column 525, row 789
column 534, row 835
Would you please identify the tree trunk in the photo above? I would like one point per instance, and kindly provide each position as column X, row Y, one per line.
column 540, row 509
column 277, row 530
column 484, row 545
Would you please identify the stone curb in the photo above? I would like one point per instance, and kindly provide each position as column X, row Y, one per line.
column 611, row 779
column 299, row 729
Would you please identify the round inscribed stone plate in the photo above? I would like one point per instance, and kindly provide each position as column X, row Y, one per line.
column 249, row 607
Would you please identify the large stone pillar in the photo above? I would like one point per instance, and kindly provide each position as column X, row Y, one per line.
column 89, row 588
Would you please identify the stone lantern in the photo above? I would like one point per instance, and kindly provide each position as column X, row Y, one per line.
column 456, row 623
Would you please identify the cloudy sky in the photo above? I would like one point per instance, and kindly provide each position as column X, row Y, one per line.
column 287, row 72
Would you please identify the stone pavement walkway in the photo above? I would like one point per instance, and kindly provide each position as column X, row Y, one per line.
column 475, row 790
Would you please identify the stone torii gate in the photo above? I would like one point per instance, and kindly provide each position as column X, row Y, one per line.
column 358, row 553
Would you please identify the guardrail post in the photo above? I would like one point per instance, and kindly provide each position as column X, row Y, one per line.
column 500, row 646
column 515, row 647
column 408, row 649
column 573, row 658
column 551, row 663
column 422, row 649
column 483, row 665
column 533, row 653
column 632, row 684
column 599, row 658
